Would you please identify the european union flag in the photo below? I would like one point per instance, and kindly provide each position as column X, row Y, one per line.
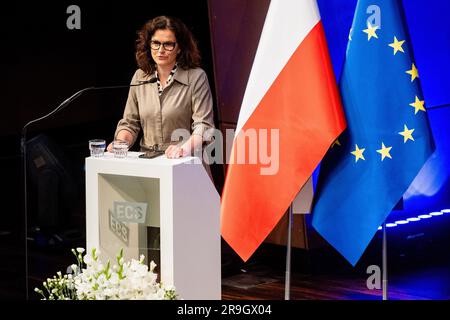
column 387, row 141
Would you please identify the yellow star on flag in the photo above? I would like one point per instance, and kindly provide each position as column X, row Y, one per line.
column 371, row 31
column 418, row 105
column 413, row 72
column 397, row 45
column 407, row 134
column 384, row 151
column 358, row 153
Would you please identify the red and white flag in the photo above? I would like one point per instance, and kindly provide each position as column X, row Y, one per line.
column 291, row 89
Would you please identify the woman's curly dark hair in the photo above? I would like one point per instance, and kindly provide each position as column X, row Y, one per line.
column 189, row 56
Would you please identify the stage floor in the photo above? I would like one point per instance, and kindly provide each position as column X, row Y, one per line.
column 259, row 279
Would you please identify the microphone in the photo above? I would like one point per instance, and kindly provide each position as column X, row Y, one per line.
column 23, row 143
column 66, row 102
column 152, row 80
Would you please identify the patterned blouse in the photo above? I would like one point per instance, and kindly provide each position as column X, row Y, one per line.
column 169, row 79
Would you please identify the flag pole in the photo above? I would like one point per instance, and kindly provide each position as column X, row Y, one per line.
column 384, row 262
column 287, row 283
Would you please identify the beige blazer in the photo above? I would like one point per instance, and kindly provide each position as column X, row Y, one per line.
column 185, row 104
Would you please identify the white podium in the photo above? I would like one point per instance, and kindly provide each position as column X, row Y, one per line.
column 179, row 230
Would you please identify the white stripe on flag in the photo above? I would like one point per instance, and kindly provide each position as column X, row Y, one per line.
column 287, row 23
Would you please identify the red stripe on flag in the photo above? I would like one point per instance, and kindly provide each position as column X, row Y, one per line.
column 304, row 104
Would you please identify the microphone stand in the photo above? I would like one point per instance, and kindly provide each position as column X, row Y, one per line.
column 23, row 144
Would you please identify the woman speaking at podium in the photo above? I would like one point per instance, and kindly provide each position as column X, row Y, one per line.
column 180, row 98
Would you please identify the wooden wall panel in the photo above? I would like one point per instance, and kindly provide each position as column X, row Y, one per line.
column 235, row 30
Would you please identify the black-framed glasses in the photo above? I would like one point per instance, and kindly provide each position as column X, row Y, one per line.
column 169, row 45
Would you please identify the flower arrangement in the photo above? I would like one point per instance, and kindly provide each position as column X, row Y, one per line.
column 131, row 280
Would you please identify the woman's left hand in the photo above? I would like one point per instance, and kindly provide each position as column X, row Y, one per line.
column 173, row 152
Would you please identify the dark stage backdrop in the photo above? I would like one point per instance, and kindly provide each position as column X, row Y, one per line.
column 43, row 62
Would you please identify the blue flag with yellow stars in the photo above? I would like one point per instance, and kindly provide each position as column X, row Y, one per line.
column 388, row 139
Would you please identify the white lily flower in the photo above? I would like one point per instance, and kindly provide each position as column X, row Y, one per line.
column 137, row 281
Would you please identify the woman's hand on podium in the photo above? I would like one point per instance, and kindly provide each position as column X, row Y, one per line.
column 175, row 151
column 123, row 135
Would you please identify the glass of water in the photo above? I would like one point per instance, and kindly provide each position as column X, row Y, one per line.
column 120, row 148
column 97, row 147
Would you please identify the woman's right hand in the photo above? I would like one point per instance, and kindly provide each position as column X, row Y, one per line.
column 124, row 135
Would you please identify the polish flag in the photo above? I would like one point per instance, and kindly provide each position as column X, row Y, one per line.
column 291, row 89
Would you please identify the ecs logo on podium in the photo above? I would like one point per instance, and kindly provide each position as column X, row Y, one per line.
column 123, row 213
column 134, row 212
